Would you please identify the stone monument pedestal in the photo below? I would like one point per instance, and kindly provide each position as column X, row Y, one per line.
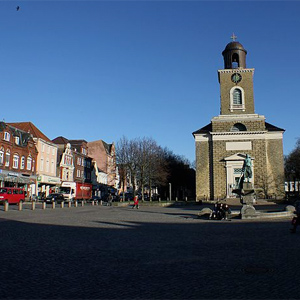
column 247, row 198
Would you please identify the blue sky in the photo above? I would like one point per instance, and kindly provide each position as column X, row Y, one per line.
column 106, row 69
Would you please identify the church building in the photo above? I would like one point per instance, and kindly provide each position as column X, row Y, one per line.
column 222, row 145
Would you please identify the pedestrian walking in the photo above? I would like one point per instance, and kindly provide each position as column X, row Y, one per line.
column 135, row 202
column 109, row 200
column 296, row 219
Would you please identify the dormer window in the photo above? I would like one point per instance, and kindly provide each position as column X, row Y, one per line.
column 6, row 136
column 17, row 140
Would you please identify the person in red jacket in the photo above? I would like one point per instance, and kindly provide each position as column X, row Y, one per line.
column 135, row 202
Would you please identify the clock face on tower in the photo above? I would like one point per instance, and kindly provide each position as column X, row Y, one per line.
column 236, row 77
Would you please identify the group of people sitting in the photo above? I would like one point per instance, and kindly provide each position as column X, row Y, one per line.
column 221, row 211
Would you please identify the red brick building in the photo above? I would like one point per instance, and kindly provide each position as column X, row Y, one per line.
column 18, row 156
column 105, row 156
column 73, row 162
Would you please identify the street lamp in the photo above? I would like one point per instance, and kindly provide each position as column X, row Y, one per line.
column 170, row 191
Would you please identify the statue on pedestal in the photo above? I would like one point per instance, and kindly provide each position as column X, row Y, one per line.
column 247, row 168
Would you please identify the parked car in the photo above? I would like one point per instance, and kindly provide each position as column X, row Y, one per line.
column 55, row 197
column 38, row 197
column 11, row 195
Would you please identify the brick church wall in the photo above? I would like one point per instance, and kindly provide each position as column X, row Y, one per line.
column 202, row 159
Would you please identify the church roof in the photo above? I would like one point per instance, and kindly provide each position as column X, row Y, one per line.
column 234, row 46
column 205, row 129
column 208, row 128
column 271, row 127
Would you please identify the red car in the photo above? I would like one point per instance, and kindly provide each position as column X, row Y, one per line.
column 11, row 195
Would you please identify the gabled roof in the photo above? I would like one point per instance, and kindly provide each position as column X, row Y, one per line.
column 79, row 142
column 60, row 140
column 30, row 128
column 271, row 127
column 205, row 129
column 24, row 136
column 107, row 147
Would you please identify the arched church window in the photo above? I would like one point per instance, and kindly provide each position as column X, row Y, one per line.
column 238, row 127
column 237, row 97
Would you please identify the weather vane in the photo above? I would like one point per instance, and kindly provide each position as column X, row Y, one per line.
column 233, row 37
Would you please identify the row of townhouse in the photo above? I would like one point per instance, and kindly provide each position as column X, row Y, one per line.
column 29, row 159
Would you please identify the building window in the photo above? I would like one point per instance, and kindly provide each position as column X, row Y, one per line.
column 6, row 136
column 16, row 161
column 22, row 162
column 1, row 156
column 238, row 127
column 53, row 150
column 48, row 149
column 33, row 165
column 52, row 166
column 237, row 97
column 42, row 164
column 78, row 173
column 47, row 165
column 237, row 101
column 17, row 140
column 29, row 161
column 78, row 161
column 7, row 158
column 43, row 147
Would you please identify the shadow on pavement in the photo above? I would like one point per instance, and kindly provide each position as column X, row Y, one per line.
column 126, row 259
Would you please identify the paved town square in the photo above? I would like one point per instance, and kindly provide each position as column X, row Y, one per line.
column 102, row 252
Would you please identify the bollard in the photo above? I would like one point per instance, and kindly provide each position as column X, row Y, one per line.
column 6, row 205
column 93, row 203
column 53, row 204
column 97, row 202
column 101, row 202
column 33, row 205
column 20, row 205
column 82, row 203
column 76, row 203
column 62, row 204
column 159, row 199
column 176, row 199
column 44, row 205
column 69, row 204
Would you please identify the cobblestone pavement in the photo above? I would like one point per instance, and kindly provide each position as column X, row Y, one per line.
column 99, row 252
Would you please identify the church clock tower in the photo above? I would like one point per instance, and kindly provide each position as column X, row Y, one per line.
column 222, row 145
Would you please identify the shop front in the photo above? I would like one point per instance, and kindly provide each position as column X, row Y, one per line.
column 15, row 179
column 47, row 185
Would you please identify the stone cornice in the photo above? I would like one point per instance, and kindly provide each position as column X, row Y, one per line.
column 231, row 71
column 238, row 133
column 235, row 118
